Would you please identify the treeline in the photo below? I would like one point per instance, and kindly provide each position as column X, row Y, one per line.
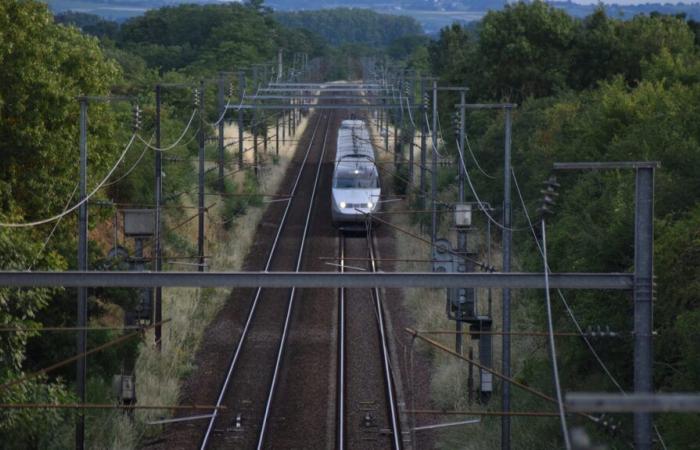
column 352, row 26
column 592, row 89
column 200, row 38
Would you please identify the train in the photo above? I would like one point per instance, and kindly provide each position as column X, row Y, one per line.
column 356, row 183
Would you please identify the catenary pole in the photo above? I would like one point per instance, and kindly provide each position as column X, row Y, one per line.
column 461, row 232
column 81, row 376
column 643, row 301
column 200, row 228
column 241, row 87
column 433, row 177
column 158, row 194
column 423, row 141
column 507, row 240
column 222, row 110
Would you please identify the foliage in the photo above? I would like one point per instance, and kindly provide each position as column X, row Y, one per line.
column 522, row 50
column 596, row 89
column 205, row 38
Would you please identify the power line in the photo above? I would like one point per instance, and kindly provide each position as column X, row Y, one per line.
column 476, row 196
column 175, row 144
column 552, row 345
column 133, row 167
column 77, row 205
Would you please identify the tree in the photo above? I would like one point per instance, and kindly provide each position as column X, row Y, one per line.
column 523, row 50
column 45, row 68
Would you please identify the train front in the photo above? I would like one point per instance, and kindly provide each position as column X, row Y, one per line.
column 356, row 191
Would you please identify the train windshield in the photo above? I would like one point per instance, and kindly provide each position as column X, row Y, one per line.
column 356, row 176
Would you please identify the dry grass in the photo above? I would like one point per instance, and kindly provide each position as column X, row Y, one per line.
column 448, row 383
column 190, row 310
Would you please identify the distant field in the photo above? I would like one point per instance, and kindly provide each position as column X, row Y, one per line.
column 113, row 11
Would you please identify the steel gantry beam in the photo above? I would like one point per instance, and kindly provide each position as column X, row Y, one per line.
column 314, row 97
column 321, row 106
column 326, row 89
column 513, row 280
column 686, row 402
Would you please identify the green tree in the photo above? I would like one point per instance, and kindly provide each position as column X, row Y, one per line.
column 523, row 50
column 45, row 68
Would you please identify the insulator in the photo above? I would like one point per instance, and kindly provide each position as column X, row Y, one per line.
column 136, row 125
column 195, row 94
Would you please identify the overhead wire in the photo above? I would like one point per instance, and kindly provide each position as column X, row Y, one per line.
column 177, row 142
column 81, row 202
column 476, row 196
column 133, row 167
column 552, row 345
column 476, row 162
column 53, row 230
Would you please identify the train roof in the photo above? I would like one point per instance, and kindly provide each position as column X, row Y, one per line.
column 354, row 140
column 353, row 124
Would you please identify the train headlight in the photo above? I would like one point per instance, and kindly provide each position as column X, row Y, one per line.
column 343, row 205
column 370, row 205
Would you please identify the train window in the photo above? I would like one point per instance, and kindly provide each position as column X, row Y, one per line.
column 362, row 180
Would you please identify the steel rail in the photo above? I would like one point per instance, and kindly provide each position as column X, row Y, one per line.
column 391, row 398
column 290, row 302
column 341, row 352
column 251, row 313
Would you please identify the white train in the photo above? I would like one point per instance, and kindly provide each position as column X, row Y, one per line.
column 356, row 187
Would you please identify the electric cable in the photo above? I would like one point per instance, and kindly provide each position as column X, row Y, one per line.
column 131, row 169
column 478, row 166
column 552, row 345
column 175, row 144
column 476, row 196
column 81, row 202
column 53, row 230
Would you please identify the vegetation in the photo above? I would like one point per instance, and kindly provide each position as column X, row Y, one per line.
column 596, row 88
column 357, row 26
column 591, row 89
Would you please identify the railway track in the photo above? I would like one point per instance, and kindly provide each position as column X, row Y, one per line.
column 310, row 368
column 367, row 409
column 251, row 379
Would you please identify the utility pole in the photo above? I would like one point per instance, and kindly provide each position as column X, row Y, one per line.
column 507, row 241
column 241, row 87
column 643, row 283
column 433, row 187
column 255, row 150
column 81, row 377
column 386, row 128
column 461, row 231
column 279, row 65
column 222, row 111
column 200, row 234
column 398, row 143
column 423, row 141
column 643, row 300
column 411, row 102
column 158, row 194
column 277, row 135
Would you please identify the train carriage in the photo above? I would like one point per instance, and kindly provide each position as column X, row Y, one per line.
column 356, row 185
